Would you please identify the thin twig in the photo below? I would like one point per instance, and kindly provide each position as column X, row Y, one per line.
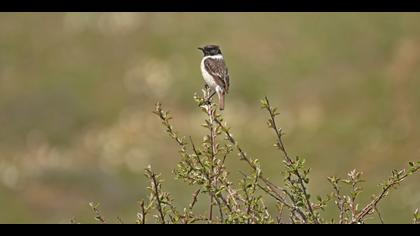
column 379, row 215
column 244, row 157
column 119, row 220
column 165, row 117
column 98, row 215
column 209, row 178
column 340, row 201
column 289, row 161
column 368, row 208
column 210, row 113
column 143, row 213
column 280, row 212
column 194, row 200
column 159, row 202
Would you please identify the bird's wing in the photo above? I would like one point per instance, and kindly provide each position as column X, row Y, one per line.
column 217, row 68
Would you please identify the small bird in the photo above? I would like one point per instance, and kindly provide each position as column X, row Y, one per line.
column 215, row 72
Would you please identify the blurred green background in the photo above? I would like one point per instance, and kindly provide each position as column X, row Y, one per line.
column 77, row 91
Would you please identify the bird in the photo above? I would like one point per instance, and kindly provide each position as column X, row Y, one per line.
column 215, row 72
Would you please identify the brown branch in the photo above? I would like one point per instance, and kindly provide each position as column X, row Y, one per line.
column 194, row 200
column 119, row 220
column 289, row 161
column 340, row 200
column 379, row 215
column 165, row 117
column 211, row 114
column 98, row 215
column 372, row 205
column 143, row 213
column 209, row 178
column 280, row 212
column 244, row 157
column 156, row 192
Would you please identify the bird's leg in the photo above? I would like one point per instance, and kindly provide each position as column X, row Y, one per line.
column 211, row 96
column 208, row 99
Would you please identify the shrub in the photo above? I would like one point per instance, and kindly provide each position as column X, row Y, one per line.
column 204, row 166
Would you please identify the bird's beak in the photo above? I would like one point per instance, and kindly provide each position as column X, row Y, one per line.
column 202, row 49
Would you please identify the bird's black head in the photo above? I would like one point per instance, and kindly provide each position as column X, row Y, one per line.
column 211, row 50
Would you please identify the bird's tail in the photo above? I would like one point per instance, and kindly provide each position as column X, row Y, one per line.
column 222, row 101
